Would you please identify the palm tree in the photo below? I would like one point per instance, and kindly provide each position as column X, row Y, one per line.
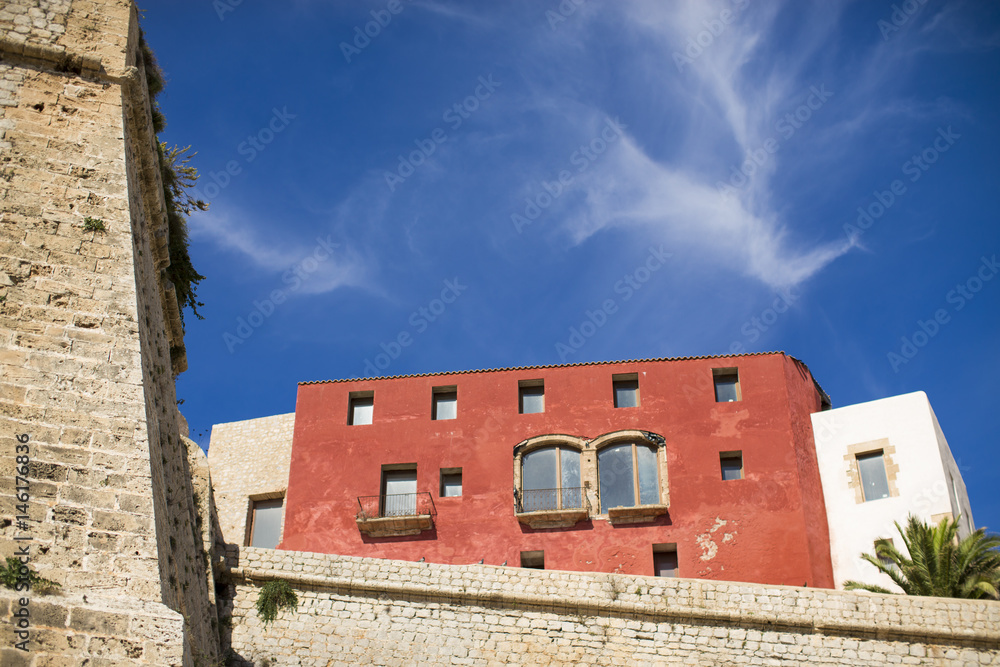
column 940, row 564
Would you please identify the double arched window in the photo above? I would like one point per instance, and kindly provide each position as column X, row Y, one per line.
column 621, row 475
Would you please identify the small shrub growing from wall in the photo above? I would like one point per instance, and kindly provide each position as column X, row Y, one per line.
column 274, row 596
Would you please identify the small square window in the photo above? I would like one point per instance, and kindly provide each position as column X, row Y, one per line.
column 732, row 465
column 362, row 405
column 265, row 523
column 451, row 482
column 626, row 388
column 665, row 560
column 445, row 403
column 727, row 385
column 888, row 562
column 874, row 483
column 533, row 560
column 531, row 396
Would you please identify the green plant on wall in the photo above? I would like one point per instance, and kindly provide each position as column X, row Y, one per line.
column 14, row 573
column 94, row 225
column 275, row 596
column 178, row 177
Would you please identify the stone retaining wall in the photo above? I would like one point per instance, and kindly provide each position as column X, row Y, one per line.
column 369, row 611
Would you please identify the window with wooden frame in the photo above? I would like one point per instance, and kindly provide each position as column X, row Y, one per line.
column 727, row 385
column 628, row 476
column 731, row 464
column 265, row 523
column 451, row 482
column 550, row 479
column 361, row 407
column 445, row 403
column 530, row 396
column 626, row 390
column 664, row 560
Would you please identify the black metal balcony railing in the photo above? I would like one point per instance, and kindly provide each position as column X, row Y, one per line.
column 396, row 505
column 539, row 500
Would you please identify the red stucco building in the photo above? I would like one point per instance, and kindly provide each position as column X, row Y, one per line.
column 698, row 467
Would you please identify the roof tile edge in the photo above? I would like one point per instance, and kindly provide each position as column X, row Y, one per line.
column 525, row 368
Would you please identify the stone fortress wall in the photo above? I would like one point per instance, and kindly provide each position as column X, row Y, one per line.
column 91, row 343
column 355, row 611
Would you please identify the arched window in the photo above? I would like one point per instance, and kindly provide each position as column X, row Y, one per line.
column 550, row 479
column 628, row 475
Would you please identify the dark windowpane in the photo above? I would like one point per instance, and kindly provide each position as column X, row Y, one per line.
column 665, row 563
column 732, row 467
column 649, row 487
column 626, row 393
column 532, row 400
column 615, row 470
column 873, row 479
column 451, row 485
column 266, row 523
column 726, row 388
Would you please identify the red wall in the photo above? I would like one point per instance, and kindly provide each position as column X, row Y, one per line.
column 774, row 528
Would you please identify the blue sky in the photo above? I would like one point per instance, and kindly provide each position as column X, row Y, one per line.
column 476, row 185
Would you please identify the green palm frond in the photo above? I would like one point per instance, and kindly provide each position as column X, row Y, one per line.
column 939, row 563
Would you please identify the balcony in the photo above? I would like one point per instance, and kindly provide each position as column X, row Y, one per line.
column 395, row 515
column 552, row 508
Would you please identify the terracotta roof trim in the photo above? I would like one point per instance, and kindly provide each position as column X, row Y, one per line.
column 526, row 368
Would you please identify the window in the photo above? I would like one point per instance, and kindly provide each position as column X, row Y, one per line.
column 665, row 560
column 265, row 523
column 727, row 385
column 550, row 479
column 399, row 490
column 888, row 562
column 626, row 388
column 534, row 560
column 628, row 476
column 451, row 482
column 874, row 484
column 732, row 465
column 531, row 396
column 445, row 403
column 362, row 404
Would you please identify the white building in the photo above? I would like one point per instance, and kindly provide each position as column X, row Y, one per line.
column 879, row 462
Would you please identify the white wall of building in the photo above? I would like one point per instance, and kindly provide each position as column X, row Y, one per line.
column 927, row 483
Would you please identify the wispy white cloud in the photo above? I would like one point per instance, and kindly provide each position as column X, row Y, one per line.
column 324, row 262
column 730, row 109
